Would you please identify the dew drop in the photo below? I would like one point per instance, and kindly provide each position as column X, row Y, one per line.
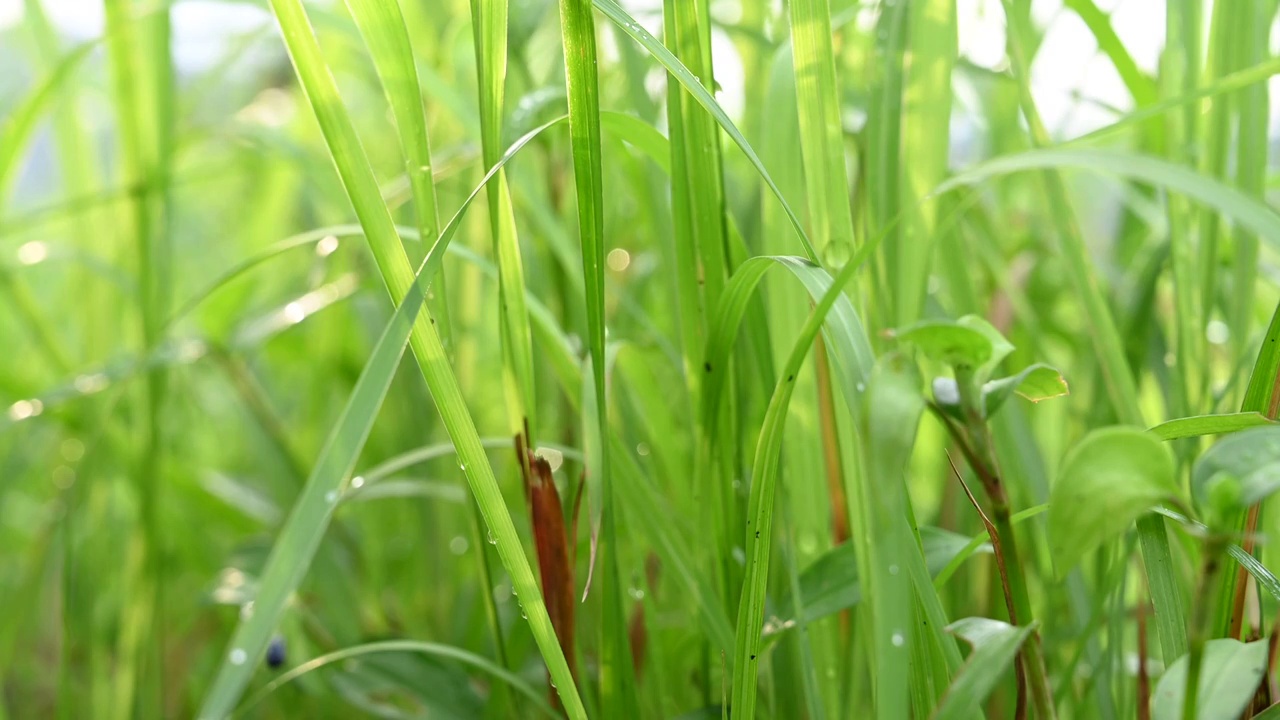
column 893, row 569
column 492, row 540
column 357, row 482
column 898, row 640
column 238, row 656
column 862, row 387
column 331, row 496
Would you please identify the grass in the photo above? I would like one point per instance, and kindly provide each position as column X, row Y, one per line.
column 866, row 388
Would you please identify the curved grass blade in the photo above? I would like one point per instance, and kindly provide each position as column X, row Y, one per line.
column 759, row 539
column 1208, row 425
column 362, row 189
column 848, row 337
column 410, row 646
column 1245, row 209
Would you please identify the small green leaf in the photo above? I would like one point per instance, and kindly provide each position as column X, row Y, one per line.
column 948, row 342
column 1035, row 383
column 1229, row 675
column 1000, row 347
column 995, row 645
column 1250, row 458
column 1107, row 481
column 968, row 342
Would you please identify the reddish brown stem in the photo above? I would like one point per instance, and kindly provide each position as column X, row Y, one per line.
column 1020, row 710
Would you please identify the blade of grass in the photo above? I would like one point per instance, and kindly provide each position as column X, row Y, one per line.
column 383, row 28
column 760, row 513
column 489, row 29
column 362, row 188
column 704, row 98
column 578, row 33
column 821, row 129
column 926, row 127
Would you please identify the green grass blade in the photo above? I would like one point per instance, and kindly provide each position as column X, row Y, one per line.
column 704, row 97
column 759, row 538
column 1208, row 425
column 300, row 536
column 489, row 28
column 821, row 131
column 926, row 128
column 361, row 186
column 385, row 34
column 617, row 693
column 1229, row 201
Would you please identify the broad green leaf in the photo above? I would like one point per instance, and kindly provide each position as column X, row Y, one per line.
column 995, row 646
column 1239, row 454
column 1209, row 425
column 1229, row 675
column 1244, row 467
column 1108, row 480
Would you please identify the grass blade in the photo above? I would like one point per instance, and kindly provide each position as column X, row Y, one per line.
column 578, row 33
column 362, row 189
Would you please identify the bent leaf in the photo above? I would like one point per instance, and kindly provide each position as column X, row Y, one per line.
column 1107, row 481
column 995, row 645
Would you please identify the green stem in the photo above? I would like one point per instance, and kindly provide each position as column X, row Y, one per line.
column 1202, row 622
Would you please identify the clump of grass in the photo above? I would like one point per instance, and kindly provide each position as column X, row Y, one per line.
column 742, row 347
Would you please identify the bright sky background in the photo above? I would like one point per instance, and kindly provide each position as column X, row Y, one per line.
column 1068, row 63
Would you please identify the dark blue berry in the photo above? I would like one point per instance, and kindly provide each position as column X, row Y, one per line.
column 275, row 652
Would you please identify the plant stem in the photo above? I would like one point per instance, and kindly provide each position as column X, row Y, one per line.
column 980, row 451
column 1201, row 622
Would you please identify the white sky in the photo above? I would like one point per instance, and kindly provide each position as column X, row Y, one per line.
column 1067, row 64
